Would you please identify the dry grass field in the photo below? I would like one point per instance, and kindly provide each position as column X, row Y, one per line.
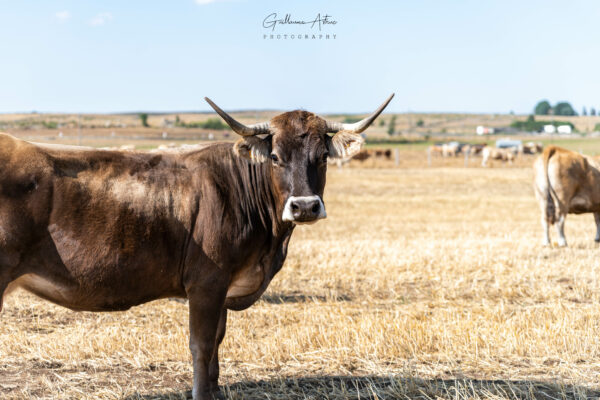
column 423, row 283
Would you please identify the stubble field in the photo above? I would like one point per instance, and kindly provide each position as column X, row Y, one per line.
column 422, row 283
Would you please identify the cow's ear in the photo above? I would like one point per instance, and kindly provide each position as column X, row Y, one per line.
column 253, row 148
column 344, row 144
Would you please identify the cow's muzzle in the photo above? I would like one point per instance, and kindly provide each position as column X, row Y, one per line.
column 304, row 209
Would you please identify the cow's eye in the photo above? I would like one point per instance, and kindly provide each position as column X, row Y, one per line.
column 324, row 157
column 274, row 158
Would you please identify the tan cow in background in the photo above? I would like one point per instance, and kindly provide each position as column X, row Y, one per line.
column 451, row 149
column 494, row 153
column 566, row 182
column 436, row 149
column 533, row 148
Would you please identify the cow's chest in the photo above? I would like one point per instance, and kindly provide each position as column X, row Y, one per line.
column 250, row 281
column 247, row 280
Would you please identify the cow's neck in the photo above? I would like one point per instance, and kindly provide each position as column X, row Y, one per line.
column 264, row 236
column 259, row 202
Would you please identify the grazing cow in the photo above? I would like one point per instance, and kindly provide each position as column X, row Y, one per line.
column 107, row 230
column 475, row 149
column 566, row 182
column 494, row 153
column 365, row 154
column 362, row 155
column 383, row 153
column 451, row 149
column 533, row 148
column 436, row 149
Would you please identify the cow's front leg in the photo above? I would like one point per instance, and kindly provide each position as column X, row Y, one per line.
column 213, row 369
column 205, row 312
column 597, row 219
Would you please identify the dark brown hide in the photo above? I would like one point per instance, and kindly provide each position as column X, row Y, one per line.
column 107, row 230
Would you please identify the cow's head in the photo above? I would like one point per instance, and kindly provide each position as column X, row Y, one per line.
column 296, row 145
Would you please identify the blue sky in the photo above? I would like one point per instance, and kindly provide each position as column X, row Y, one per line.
column 446, row 56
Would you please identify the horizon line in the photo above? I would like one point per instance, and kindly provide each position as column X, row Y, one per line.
column 164, row 112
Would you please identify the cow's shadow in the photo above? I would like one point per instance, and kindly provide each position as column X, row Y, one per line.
column 282, row 298
column 396, row 387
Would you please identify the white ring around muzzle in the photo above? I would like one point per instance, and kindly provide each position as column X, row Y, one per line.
column 288, row 214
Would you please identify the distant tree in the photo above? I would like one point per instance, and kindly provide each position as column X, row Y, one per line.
column 211, row 123
column 583, row 111
column 564, row 108
column 531, row 125
column 50, row 124
column 350, row 119
column 381, row 122
column 144, row 119
column 542, row 108
column 592, row 111
column 420, row 123
column 392, row 126
column 177, row 120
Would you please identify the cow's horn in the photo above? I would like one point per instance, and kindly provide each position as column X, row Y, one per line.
column 239, row 128
column 359, row 126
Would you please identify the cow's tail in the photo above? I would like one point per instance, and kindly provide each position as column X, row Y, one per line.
column 551, row 197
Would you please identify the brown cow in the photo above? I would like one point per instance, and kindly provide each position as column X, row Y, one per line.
column 566, row 182
column 365, row 154
column 107, row 230
column 362, row 155
column 383, row 153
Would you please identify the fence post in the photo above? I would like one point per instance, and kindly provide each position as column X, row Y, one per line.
column 467, row 158
column 79, row 130
column 397, row 156
column 429, row 156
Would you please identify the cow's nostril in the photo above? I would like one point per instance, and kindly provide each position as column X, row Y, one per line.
column 295, row 206
column 315, row 208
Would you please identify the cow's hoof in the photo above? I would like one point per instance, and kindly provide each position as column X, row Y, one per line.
column 216, row 391
column 211, row 395
column 217, row 395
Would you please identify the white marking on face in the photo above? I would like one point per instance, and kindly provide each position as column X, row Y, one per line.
column 288, row 214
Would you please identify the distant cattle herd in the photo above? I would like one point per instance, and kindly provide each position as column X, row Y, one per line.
column 505, row 151
column 365, row 154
